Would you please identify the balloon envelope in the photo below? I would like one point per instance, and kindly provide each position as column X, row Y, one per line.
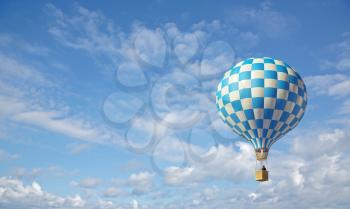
column 261, row 99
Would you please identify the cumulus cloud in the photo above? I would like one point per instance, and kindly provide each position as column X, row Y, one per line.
column 225, row 163
column 14, row 194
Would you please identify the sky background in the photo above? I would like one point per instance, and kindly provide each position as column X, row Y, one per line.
column 112, row 104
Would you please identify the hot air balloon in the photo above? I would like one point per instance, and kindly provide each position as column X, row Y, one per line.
column 261, row 99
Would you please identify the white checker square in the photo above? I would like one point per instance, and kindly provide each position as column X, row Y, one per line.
column 240, row 125
column 260, row 132
column 290, row 71
column 278, row 62
column 241, row 116
column 233, row 78
column 299, row 100
column 293, row 88
column 220, row 103
column 252, row 124
column 243, row 84
column 258, row 113
column 282, row 94
column 266, row 123
column 270, row 83
column 258, row 60
column 282, row 76
column 247, row 103
column 277, row 114
column 269, row 66
column 224, row 91
column 229, row 109
column 290, row 118
column 247, row 67
column 300, row 113
column 289, row 106
column 257, row 92
column 257, row 74
column 234, row 95
column 269, row 102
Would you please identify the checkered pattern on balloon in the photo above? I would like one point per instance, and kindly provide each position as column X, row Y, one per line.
column 261, row 99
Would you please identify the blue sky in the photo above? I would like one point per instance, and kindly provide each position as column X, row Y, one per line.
column 112, row 104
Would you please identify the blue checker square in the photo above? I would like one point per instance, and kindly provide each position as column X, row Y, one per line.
column 280, row 104
column 258, row 82
column 218, row 94
column 284, row 116
column 245, row 93
column 235, row 70
column 273, row 124
column 224, row 112
column 270, row 74
column 225, row 99
column 258, row 66
column 293, row 79
column 237, row 106
column 273, row 134
column 282, row 85
column 269, row 60
column 283, row 127
column 246, row 125
column 224, row 82
column 296, row 109
column 300, row 92
column 255, row 131
column 268, row 113
column 258, row 102
column 248, row 61
column 233, row 86
column 244, row 75
column 265, row 132
column 259, row 123
column 270, row 92
column 249, row 114
column 235, row 118
column 292, row 97
column 281, row 68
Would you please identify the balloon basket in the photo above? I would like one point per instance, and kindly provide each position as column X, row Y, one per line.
column 261, row 175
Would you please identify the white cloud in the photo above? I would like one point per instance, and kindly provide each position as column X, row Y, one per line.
column 73, row 127
column 88, row 183
column 86, row 30
column 14, row 194
column 112, row 192
column 141, row 182
column 337, row 85
column 342, row 51
column 13, row 69
column 224, row 163
column 266, row 20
